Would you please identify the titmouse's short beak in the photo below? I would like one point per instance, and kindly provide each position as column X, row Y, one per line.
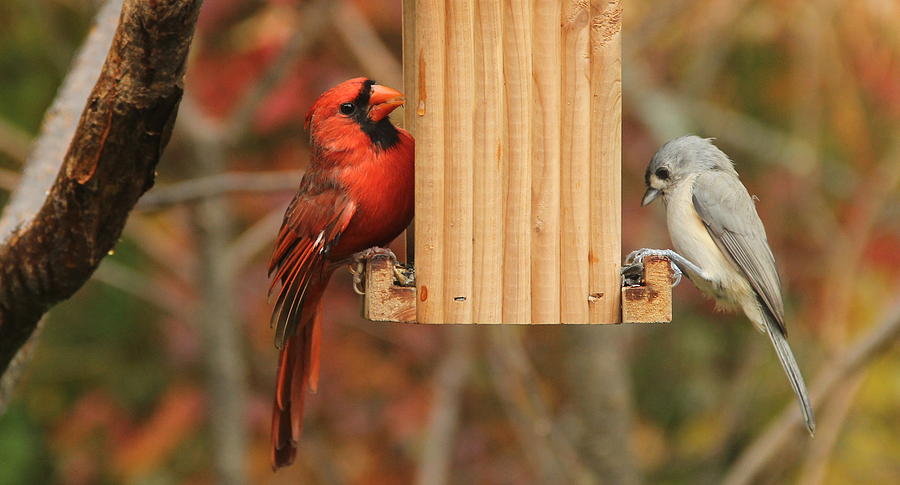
column 383, row 100
column 649, row 196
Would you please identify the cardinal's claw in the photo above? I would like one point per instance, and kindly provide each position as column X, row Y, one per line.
column 402, row 275
column 375, row 251
column 358, row 269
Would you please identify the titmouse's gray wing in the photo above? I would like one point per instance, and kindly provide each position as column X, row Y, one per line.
column 731, row 219
column 728, row 212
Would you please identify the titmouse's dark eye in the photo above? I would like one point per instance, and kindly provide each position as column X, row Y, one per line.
column 662, row 173
column 348, row 108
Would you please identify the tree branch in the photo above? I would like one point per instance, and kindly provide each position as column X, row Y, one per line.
column 602, row 434
column 110, row 162
column 449, row 382
column 547, row 449
column 770, row 444
column 196, row 189
column 14, row 142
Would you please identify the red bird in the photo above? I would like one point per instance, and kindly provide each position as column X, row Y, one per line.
column 356, row 193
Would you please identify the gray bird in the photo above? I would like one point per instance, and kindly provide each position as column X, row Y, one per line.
column 720, row 241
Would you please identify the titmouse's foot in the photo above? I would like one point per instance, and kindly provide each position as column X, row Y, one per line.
column 632, row 272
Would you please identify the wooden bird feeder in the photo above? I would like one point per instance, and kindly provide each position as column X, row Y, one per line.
column 516, row 109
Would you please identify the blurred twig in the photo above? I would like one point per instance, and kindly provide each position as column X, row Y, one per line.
column 517, row 386
column 449, row 380
column 669, row 114
column 218, row 317
column 255, row 239
column 829, row 430
column 314, row 17
column 366, row 46
column 137, row 285
column 9, row 179
column 737, row 401
column 598, row 383
column 14, row 142
column 196, row 189
column 769, row 445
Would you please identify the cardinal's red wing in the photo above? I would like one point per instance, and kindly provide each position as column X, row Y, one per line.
column 312, row 226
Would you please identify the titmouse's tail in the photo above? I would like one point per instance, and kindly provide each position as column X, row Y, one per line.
column 786, row 357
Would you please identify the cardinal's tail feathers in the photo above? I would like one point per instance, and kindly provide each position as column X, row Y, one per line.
column 786, row 357
column 298, row 370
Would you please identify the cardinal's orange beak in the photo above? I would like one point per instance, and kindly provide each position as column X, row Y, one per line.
column 382, row 101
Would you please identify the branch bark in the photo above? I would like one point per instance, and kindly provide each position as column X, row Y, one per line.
column 110, row 162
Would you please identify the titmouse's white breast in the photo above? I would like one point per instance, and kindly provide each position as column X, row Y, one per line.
column 692, row 240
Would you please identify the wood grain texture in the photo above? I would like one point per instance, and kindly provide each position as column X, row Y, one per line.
column 517, row 116
column 410, row 84
column 488, row 164
column 429, row 106
column 458, row 166
column 652, row 302
column 575, row 164
column 605, row 164
column 545, row 163
column 384, row 301
column 517, row 69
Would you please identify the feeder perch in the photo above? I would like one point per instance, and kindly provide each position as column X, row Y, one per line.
column 516, row 109
column 386, row 301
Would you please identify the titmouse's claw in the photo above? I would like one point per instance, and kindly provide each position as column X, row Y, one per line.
column 635, row 256
column 676, row 274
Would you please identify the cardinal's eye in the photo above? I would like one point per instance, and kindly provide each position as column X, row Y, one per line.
column 348, row 108
column 662, row 174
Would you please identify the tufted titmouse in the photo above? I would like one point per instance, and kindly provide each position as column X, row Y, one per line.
column 720, row 241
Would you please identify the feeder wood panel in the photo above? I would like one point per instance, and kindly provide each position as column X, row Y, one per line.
column 516, row 109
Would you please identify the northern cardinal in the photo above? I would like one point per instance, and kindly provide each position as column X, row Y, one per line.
column 356, row 193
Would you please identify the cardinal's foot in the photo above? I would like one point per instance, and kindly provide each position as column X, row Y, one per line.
column 370, row 253
column 404, row 275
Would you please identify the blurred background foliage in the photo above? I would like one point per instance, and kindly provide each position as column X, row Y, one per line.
column 127, row 380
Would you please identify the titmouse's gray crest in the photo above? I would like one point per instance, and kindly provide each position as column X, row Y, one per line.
column 680, row 158
column 720, row 241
